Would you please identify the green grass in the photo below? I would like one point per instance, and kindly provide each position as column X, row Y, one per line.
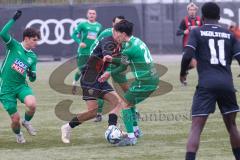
column 164, row 138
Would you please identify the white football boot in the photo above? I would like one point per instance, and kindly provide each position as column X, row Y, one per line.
column 66, row 133
column 29, row 128
column 20, row 138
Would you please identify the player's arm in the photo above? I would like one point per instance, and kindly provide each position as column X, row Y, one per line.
column 4, row 32
column 108, row 49
column 110, row 71
column 181, row 28
column 75, row 34
column 119, row 69
column 31, row 72
column 188, row 54
column 236, row 49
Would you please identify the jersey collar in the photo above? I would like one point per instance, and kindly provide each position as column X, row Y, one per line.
column 130, row 38
column 25, row 48
column 212, row 25
column 92, row 22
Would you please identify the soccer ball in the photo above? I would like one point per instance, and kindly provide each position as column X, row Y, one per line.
column 113, row 134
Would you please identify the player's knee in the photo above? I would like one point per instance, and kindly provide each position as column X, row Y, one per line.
column 123, row 104
column 231, row 127
column 15, row 118
column 30, row 102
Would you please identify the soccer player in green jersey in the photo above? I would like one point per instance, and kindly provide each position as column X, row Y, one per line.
column 146, row 82
column 118, row 77
column 20, row 61
column 85, row 34
column 136, row 54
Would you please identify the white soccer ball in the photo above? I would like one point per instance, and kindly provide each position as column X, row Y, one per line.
column 113, row 134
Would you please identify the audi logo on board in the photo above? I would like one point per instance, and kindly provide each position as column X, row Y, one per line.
column 60, row 31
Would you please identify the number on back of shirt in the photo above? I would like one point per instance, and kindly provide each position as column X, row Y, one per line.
column 147, row 55
column 217, row 55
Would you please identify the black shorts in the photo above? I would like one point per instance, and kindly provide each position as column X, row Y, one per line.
column 204, row 101
column 93, row 91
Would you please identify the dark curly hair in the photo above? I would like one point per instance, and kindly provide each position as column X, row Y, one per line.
column 31, row 32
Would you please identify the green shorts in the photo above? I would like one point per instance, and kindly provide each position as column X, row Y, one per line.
column 141, row 90
column 9, row 99
column 82, row 60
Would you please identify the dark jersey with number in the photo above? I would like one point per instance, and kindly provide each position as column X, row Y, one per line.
column 95, row 67
column 214, row 48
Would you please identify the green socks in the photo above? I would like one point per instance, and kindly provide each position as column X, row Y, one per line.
column 100, row 105
column 128, row 120
column 134, row 116
column 28, row 117
column 77, row 76
column 16, row 130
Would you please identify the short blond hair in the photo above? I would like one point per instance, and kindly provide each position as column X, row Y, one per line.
column 192, row 5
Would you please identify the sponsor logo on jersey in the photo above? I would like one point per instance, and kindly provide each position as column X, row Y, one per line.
column 92, row 35
column 19, row 66
column 90, row 91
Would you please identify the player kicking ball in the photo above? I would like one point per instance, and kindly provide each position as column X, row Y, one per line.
column 20, row 62
column 135, row 54
column 146, row 82
column 214, row 48
column 92, row 88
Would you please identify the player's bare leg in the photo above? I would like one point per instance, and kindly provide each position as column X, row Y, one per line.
column 30, row 103
column 230, row 123
column 198, row 124
column 98, row 118
column 113, row 99
column 16, row 127
column 80, row 118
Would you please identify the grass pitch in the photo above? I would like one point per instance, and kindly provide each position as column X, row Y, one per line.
column 165, row 122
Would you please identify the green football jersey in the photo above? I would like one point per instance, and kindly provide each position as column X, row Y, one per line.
column 137, row 55
column 88, row 33
column 16, row 63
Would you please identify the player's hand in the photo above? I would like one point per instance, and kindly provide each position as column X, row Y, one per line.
column 104, row 77
column 183, row 79
column 82, row 45
column 74, row 90
column 17, row 15
column 30, row 74
column 186, row 31
column 107, row 58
